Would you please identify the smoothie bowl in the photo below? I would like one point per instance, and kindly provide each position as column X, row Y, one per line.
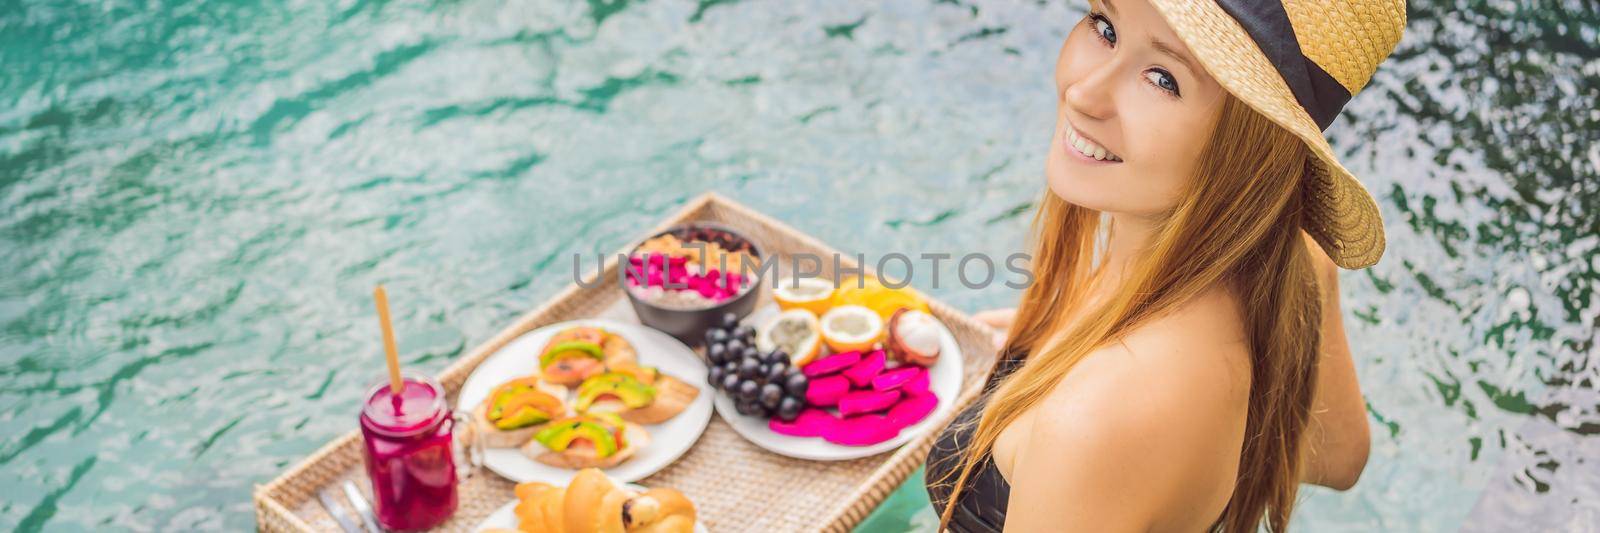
column 685, row 279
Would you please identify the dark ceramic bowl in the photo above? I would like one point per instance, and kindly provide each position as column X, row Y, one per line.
column 690, row 324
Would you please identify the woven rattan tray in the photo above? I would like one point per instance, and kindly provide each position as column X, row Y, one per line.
column 735, row 485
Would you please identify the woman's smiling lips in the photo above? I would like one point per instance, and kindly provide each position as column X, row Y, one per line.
column 1083, row 149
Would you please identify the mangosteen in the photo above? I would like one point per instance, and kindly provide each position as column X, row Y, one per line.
column 914, row 337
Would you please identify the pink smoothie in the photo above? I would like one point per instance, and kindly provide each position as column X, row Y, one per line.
column 408, row 454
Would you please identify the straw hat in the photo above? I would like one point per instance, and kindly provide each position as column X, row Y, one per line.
column 1297, row 62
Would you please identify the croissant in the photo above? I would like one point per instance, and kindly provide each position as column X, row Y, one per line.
column 594, row 503
column 659, row 511
column 539, row 508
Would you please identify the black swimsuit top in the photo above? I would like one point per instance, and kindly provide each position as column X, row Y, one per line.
column 982, row 506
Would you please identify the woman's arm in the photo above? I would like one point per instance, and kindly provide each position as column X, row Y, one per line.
column 1337, row 441
column 999, row 319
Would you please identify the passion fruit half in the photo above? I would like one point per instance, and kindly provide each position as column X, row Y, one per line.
column 848, row 328
column 797, row 332
column 811, row 294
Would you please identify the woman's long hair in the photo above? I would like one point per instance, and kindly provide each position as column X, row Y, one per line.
column 1238, row 224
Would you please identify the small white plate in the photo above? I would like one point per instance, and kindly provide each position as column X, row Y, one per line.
column 668, row 440
column 944, row 379
column 506, row 516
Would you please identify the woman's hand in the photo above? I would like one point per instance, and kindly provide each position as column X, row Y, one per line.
column 999, row 319
column 1337, row 440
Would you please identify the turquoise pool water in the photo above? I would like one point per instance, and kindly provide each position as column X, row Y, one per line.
column 197, row 197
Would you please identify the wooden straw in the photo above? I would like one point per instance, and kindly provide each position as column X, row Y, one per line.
column 389, row 349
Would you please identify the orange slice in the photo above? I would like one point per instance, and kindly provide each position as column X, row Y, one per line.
column 850, row 328
column 796, row 331
column 877, row 297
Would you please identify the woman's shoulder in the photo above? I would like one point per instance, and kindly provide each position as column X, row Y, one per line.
column 1202, row 341
column 1197, row 351
column 1167, row 405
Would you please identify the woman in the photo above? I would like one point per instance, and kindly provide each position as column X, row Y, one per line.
column 1179, row 363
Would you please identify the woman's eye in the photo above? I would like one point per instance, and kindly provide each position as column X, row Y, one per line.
column 1102, row 27
column 1162, row 80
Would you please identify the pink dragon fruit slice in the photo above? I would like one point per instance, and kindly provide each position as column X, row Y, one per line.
column 895, row 377
column 831, row 364
column 862, row 430
column 917, row 385
column 862, row 372
column 866, row 401
column 812, row 422
column 912, row 409
column 827, row 390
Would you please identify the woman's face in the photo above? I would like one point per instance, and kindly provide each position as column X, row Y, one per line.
column 1133, row 110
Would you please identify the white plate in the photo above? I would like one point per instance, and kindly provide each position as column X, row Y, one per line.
column 668, row 440
column 506, row 516
column 944, row 379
